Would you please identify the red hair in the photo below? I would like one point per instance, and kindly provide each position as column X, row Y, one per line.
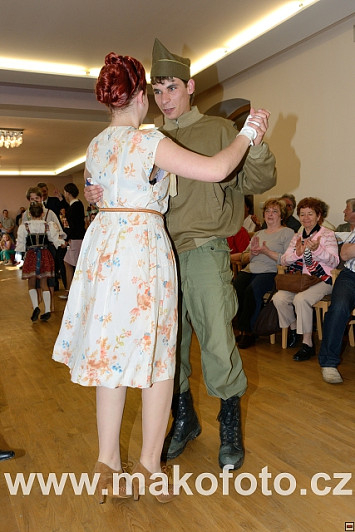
column 120, row 79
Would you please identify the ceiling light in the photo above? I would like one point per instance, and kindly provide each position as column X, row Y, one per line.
column 10, row 138
column 275, row 18
column 42, row 66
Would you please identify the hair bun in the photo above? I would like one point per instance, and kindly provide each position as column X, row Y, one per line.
column 119, row 80
column 113, row 59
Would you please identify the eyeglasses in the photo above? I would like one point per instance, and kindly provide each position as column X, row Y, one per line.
column 272, row 211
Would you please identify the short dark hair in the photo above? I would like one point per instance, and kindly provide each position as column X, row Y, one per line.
column 317, row 205
column 162, row 79
column 72, row 189
column 41, row 185
column 291, row 197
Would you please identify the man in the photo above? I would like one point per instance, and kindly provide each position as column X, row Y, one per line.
column 200, row 217
column 7, row 224
column 55, row 203
column 6, row 455
column 291, row 221
column 336, row 319
column 19, row 216
column 349, row 217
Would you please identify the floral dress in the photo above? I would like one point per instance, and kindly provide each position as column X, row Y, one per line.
column 120, row 322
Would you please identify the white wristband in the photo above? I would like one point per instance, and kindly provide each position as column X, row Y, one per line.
column 248, row 131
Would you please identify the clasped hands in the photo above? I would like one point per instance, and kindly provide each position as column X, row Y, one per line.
column 258, row 120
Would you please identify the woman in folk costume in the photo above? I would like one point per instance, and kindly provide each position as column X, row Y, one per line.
column 34, row 237
column 120, row 322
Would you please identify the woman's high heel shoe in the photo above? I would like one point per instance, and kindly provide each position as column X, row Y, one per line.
column 139, row 468
column 105, row 483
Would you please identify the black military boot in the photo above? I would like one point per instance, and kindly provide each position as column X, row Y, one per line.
column 231, row 450
column 185, row 426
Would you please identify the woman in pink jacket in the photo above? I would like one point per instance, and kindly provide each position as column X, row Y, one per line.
column 312, row 251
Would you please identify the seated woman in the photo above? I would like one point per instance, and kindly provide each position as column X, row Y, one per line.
column 257, row 278
column 7, row 249
column 312, row 251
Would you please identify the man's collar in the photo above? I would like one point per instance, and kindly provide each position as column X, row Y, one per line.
column 185, row 120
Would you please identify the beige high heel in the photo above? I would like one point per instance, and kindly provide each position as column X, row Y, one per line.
column 139, row 468
column 105, row 484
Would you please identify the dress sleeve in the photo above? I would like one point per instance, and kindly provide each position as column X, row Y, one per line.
column 54, row 235
column 21, row 239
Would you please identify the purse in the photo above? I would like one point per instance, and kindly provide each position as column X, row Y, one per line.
column 295, row 282
column 267, row 321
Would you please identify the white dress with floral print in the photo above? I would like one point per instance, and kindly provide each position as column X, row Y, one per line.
column 120, row 321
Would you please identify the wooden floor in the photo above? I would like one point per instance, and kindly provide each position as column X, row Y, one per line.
column 295, row 426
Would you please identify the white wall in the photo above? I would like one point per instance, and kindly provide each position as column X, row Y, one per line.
column 13, row 189
column 310, row 91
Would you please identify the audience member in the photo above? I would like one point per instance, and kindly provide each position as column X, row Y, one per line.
column 257, row 278
column 63, row 218
column 19, row 216
column 75, row 230
column 291, row 221
column 313, row 251
column 7, row 249
column 238, row 243
column 251, row 222
column 7, row 224
column 33, row 237
column 336, row 319
column 349, row 217
column 54, row 203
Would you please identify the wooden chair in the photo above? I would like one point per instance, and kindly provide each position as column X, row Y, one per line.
column 284, row 333
column 321, row 307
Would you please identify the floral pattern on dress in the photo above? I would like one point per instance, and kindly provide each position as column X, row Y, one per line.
column 120, row 322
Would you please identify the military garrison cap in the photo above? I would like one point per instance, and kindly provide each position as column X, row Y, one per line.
column 166, row 64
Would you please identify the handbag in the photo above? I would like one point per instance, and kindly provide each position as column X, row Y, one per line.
column 295, row 282
column 267, row 321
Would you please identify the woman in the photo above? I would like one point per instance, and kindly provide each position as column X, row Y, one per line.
column 7, row 252
column 257, row 278
column 312, row 251
column 34, row 237
column 119, row 325
column 75, row 230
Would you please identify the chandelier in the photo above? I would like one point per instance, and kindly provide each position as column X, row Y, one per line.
column 10, row 138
